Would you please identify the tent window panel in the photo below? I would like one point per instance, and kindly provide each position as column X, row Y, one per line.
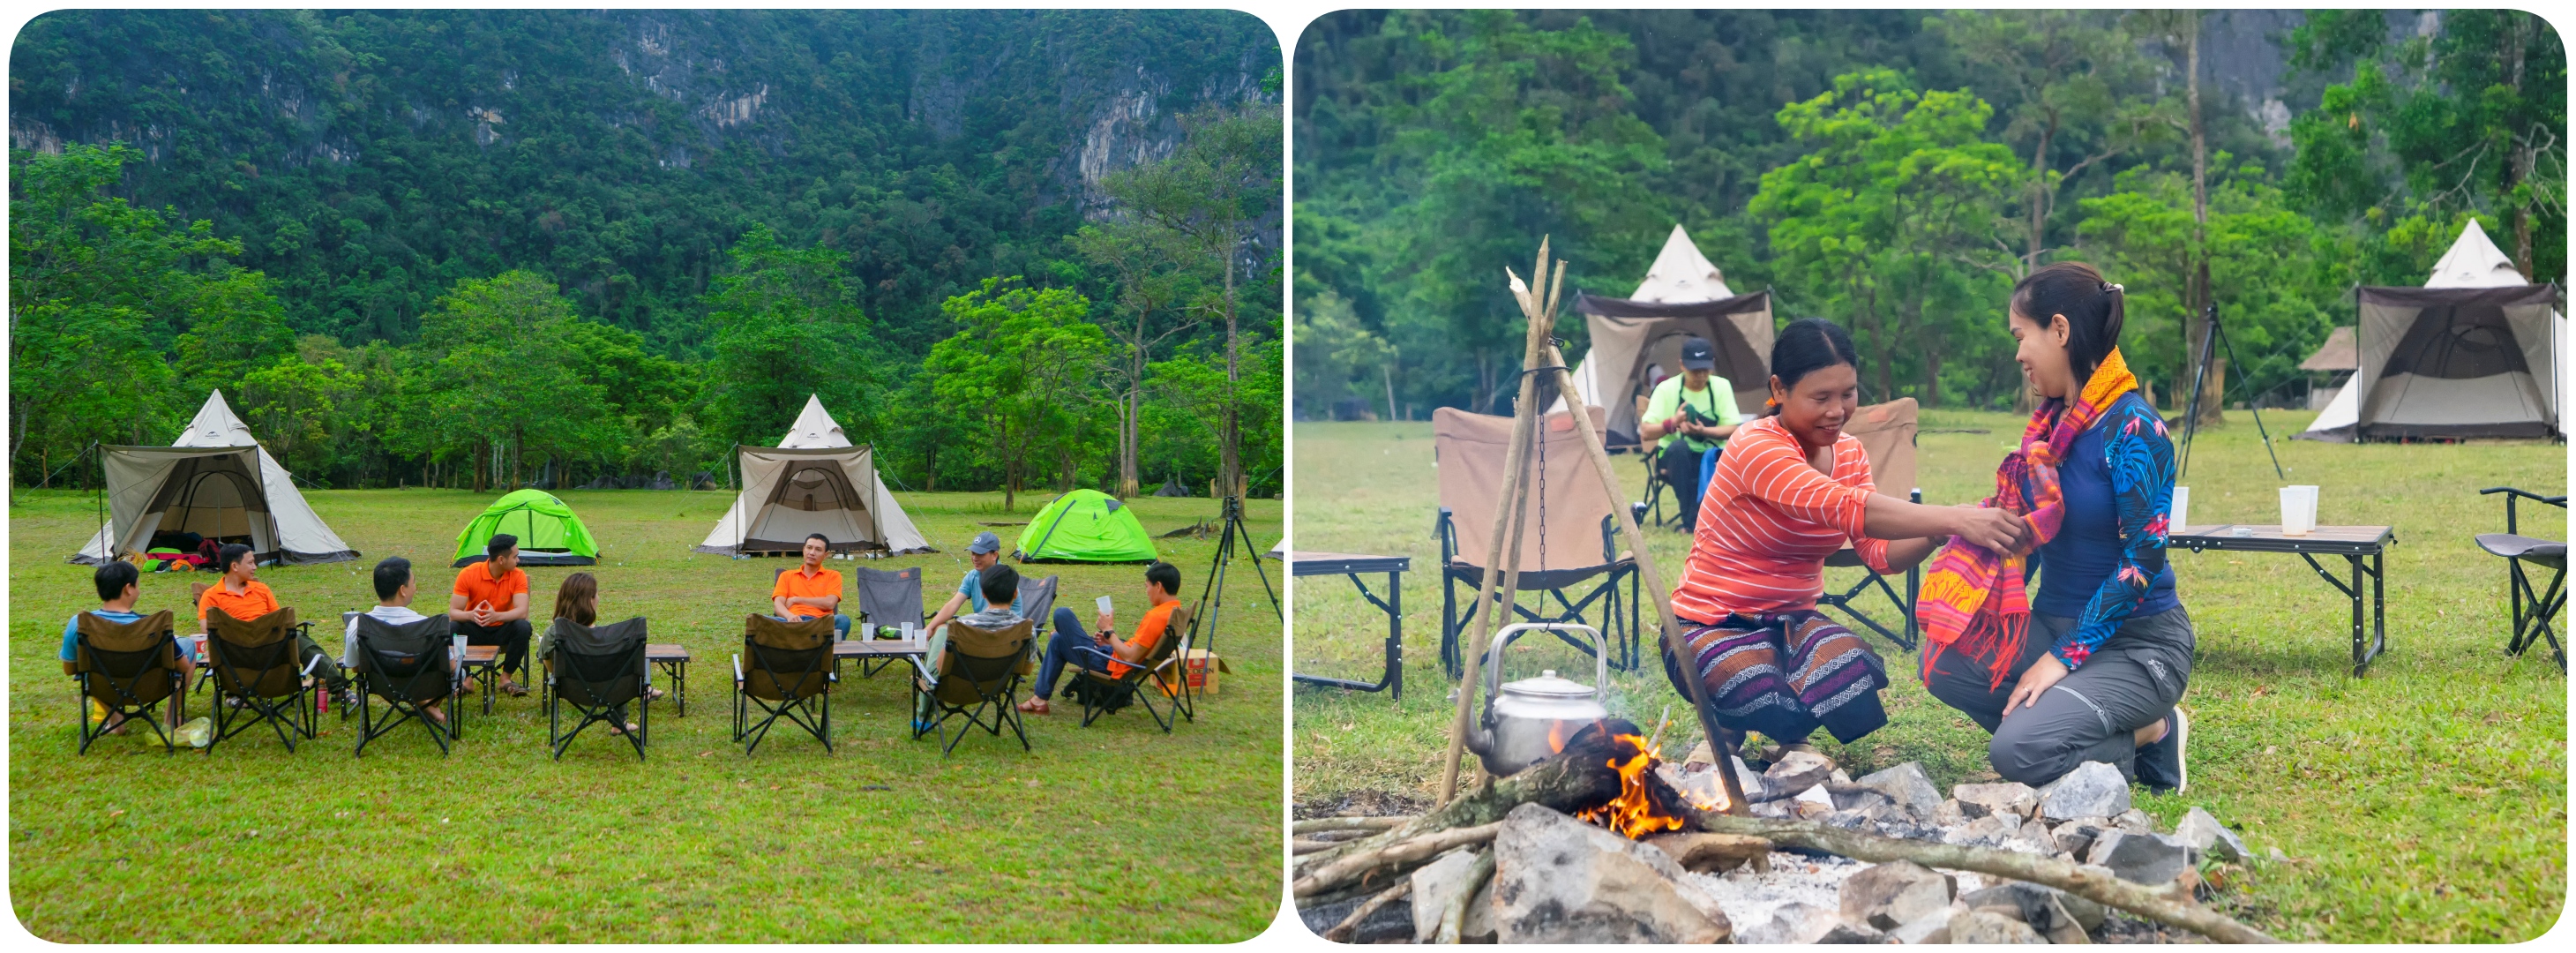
column 2458, row 343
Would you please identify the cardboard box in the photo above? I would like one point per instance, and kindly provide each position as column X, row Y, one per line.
column 1204, row 670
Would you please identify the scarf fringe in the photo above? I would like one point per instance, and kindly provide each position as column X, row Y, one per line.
column 1994, row 640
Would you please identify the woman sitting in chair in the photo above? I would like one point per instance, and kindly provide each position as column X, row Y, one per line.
column 2094, row 479
column 1791, row 490
column 577, row 601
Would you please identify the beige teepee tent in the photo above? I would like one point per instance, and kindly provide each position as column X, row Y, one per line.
column 215, row 481
column 814, row 481
column 1637, row 337
column 2473, row 353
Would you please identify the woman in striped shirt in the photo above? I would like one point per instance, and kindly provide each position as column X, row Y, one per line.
column 1791, row 490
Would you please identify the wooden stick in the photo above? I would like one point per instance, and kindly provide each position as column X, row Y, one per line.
column 1319, row 825
column 1341, row 932
column 1453, row 918
column 1523, row 424
column 1719, row 745
column 2092, row 883
column 1304, row 846
column 1567, row 783
column 1400, row 854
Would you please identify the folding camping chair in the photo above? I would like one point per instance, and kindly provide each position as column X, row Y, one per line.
column 408, row 666
column 255, row 667
column 978, row 672
column 1102, row 693
column 1886, row 432
column 1037, row 599
column 889, row 598
column 790, row 676
column 1570, row 539
column 599, row 671
column 2535, row 610
column 130, row 668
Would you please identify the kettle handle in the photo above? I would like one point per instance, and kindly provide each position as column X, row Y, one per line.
column 1494, row 661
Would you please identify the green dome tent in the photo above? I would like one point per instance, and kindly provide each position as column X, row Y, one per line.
column 1086, row 526
column 549, row 534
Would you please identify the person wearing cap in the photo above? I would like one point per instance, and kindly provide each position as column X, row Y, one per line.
column 985, row 551
column 1690, row 416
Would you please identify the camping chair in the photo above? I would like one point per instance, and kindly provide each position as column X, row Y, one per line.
column 790, row 675
column 979, row 672
column 1568, row 542
column 130, row 668
column 1037, row 599
column 1886, row 432
column 255, row 668
column 1102, row 693
column 887, row 598
column 409, row 666
column 2535, row 610
column 598, row 671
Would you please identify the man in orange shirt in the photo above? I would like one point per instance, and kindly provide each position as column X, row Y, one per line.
column 809, row 590
column 489, row 606
column 242, row 596
column 1106, row 652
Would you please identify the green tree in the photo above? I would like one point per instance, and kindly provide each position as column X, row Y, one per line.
column 1023, row 367
column 1333, row 353
column 495, row 375
column 787, row 325
column 1155, row 276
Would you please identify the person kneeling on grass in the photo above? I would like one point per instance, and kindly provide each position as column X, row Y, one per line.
column 394, row 591
column 118, row 590
column 2093, row 666
column 577, row 601
column 241, row 595
column 1105, row 652
column 489, row 606
column 809, row 590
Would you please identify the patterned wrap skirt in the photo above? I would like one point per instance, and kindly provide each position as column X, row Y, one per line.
column 1785, row 674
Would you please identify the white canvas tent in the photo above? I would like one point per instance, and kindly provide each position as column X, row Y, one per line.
column 2475, row 352
column 215, row 481
column 1683, row 296
column 814, row 481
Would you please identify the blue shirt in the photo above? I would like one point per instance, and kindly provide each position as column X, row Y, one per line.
column 2107, row 562
column 71, row 630
column 973, row 588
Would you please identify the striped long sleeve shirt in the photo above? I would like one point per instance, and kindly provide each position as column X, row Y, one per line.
column 1767, row 523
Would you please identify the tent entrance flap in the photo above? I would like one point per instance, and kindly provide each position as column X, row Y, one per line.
column 214, row 492
column 813, row 496
column 2454, row 363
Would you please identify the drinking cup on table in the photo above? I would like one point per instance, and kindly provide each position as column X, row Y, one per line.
column 2181, row 509
column 2298, row 510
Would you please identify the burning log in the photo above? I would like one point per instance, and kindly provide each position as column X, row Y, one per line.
column 1576, row 779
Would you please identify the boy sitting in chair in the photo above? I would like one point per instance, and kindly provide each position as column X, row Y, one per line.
column 1106, row 652
column 118, row 591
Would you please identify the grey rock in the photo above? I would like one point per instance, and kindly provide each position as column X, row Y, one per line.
column 1812, row 811
column 2010, row 797
column 1909, row 786
column 1838, row 777
column 2076, row 836
column 1392, row 923
column 1776, row 810
column 1948, row 813
column 1854, row 797
column 1816, row 794
column 1891, row 895
column 1792, row 922
column 2151, row 859
column 1439, row 882
column 2134, row 821
column 2034, row 838
column 1798, row 771
column 2093, row 789
column 1848, row 820
column 2204, row 833
column 2278, row 856
column 2050, row 911
column 1559, row 880
column 1988, row 831
column 1848, row 933
column 1987, row 926
column 1932, row 928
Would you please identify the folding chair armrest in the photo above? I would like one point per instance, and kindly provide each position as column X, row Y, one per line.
column 737, row 669
column 2559, row 500
column 309, row 665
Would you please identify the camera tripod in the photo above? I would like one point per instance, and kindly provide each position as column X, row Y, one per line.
column 1203, row 616
column 2209, row 344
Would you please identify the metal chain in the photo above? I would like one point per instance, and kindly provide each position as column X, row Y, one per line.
column 1542, row 493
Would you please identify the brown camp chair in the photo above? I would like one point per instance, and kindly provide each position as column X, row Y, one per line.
column 1887, row 432
column 1102, row 693
column 255, row 667
column 1569, row 542
column 785, row 668
column 978, row 673
column 408, row 666
column 129, row 667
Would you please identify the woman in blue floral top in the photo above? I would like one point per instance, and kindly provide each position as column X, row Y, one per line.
column 2107, row 651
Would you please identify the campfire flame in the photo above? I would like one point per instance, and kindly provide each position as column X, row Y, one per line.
column 1633, row 814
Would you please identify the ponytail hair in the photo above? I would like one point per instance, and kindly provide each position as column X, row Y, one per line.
column 2094, row 310
column 1805, row 346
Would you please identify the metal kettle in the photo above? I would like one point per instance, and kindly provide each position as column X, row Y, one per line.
column 1526, row 721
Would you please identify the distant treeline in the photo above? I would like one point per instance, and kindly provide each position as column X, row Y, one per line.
column 1897, row 172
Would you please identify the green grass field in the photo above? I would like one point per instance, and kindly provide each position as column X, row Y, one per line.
column 1114, row 833
column 2423, row 803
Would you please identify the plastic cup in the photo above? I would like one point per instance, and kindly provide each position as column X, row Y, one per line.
column 2181, row 509
column 2298, row 510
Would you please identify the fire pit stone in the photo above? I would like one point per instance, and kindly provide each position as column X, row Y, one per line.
column 2011, row 797
column 2150, row 859
column 2204, row 833
column 1890, row 895
column 1560, row 880
column 2076, row 836
column 2092, row 789
column 2134, row 821
column 1949, row 813
column 1437, row 883
column 1989, row 926
column 1798, row 771
column 1909, row 786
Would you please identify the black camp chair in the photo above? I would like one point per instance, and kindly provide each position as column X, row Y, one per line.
column 131, row 668
column 978, row 673
column 598, row 671
column 408, row 666
column 1101, row 693
column 2535, row 609
column 786, row 669
column 890, row 598
column 255, row 667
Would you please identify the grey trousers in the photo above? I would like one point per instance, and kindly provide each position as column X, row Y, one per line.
column 2090, row 715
